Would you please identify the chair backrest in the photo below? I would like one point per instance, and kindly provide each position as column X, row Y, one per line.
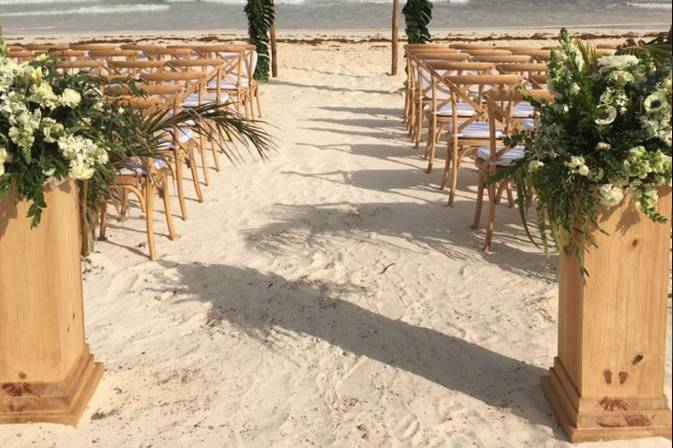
column 163, row 53
column 470, row 89
column 487, row 52
column 68, row 55
column 191, row 82
column 92, row 46
column 134, row 67
column 92, row 66
column 21, row 55
column 522, row 49
column 501, row 105
column 470, row 46
column 503, row 59
column 237, row 62
column 113, row 54
column 541, row 55
column 44, row 48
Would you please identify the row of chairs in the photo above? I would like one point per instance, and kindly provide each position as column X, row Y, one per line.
column 471, row 97
column 168, row 80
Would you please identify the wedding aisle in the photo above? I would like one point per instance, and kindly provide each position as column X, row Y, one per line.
column 327, row 298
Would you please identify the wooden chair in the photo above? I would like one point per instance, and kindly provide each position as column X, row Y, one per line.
column 413, row 53
column 212, row 71
column 91, row 46
column 490, row 159
column 143, row 178
column 167, row 54
column 465, row 134
column 441, row 109
column 238, row 68
column 192, row 84
column 538, row 82
column 422, row 86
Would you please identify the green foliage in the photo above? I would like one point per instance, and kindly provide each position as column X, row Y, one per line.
column 261, row 15
column 658, row 49
column 606, row 137
column 417, row 16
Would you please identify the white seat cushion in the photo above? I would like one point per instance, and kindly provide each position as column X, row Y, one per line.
column 528, row 124
column 138, row 169
column 193, row 99
column 462, row 110
column 479, row 130
column 510, row 156
column 523, row 110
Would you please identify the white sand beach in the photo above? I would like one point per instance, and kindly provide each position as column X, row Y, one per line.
column 326, row 298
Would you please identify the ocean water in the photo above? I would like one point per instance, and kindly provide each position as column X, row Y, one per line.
column 62, row 16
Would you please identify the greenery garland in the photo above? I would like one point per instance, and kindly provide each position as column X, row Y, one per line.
column 417, row 16
column 261, row 15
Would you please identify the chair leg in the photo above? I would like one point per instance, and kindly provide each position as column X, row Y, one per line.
column 179, row 179
column 168, row 208
column 454, row 177
column 149, row 218
column 490, row 226
column 451, row 157
column 419, row 125
column 510, row 196
column 259, row 103
column 103, row 222
column 125, row 204
column 480, row 202
column 432, row 145
column 195, row 175
column 204, row 162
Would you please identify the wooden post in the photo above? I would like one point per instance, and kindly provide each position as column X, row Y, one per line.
column 274, row 48
column 608, row 379
column 396, row 13
column 47, row 373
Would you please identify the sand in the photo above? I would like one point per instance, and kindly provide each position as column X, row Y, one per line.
column 327, row 298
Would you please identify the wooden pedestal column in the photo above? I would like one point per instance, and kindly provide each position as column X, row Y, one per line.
column 608, row 379
column 47, row 373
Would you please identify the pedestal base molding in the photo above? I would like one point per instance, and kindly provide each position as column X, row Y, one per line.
column 64, row 402
column 588, row 419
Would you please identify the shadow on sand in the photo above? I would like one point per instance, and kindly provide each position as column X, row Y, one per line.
column 258, row 302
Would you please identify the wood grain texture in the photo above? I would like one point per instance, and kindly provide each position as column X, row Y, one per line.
column 608, row 379
column 46, row 370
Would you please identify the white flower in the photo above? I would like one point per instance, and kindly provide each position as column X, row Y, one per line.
column 43, row 95
column 575, row 89
column 608, row 114
column 3, row 159
column 583, row 170
column 618, row 62
column 535, row 165
column 80, row 171
column 654, row 102
column 70, row 98
column 602, row 146
column 575, row 162
column 610, row 195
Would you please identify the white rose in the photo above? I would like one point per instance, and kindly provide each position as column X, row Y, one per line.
column 70, row 98
column 611, row 195
column 583, row 170
column 80, row 171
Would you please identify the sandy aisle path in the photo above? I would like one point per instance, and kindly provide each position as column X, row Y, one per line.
column 324, row 299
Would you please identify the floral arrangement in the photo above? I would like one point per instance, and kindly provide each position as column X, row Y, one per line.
column 605, row 137
column 56, row 127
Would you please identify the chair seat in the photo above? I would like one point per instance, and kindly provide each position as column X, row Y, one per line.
column 479, row 130
column 193, row 99
column 528, row 124
column 138, row 169
column 514, row 154
column 462, row 110
column 523, row 110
